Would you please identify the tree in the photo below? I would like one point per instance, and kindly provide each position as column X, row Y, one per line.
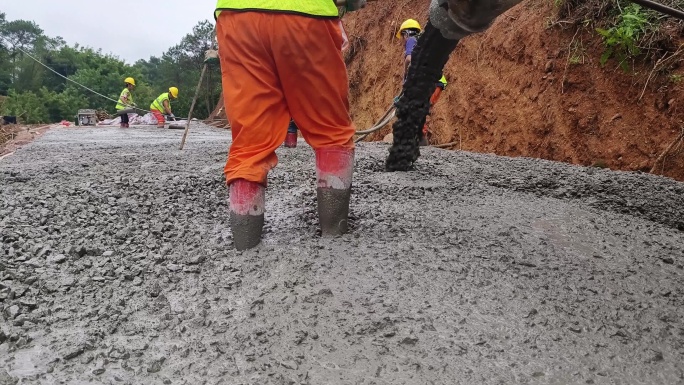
column 26, row 104
column 66, row 61
column 194, row 45
column 20, row 35
column 43, row 95
column 5, row 69
column 181, row 65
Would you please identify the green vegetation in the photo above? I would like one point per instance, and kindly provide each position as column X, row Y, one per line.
column 40, row 96
column 621, row 39
column 630, row 32
column 578, row 53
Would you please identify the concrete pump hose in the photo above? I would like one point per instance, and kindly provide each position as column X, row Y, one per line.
column 389, row 115
column 457, row 19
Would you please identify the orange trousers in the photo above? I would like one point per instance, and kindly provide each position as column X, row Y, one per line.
column 433, row 99
column 276, row 67
column 159, row 116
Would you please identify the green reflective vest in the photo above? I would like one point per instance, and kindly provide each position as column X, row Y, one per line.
column 158, row 103
column 318, row 8
column 443, row 81
column 120, row 105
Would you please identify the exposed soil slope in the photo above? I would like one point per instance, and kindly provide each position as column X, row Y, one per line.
column 526, row 87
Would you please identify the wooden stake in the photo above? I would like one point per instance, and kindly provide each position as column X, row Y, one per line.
column 192, row 107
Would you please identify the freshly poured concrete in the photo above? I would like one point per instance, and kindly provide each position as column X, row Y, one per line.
column 117, row 267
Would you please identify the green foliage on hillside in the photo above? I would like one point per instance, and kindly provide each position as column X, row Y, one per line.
column 629, row 31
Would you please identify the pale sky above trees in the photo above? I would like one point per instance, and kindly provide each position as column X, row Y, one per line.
column 129, row 29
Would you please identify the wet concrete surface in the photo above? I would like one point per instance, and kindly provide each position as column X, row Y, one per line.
column 117, row 267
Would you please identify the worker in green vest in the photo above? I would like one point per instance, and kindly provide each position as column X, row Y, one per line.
column 162, row 105
column 125, row 104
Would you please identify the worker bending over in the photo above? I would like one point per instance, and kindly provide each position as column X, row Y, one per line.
column 409, row 32
column 282, row 60
column 125, row 104
column 162, row 105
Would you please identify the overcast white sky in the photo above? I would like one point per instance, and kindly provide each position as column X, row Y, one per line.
column 129, row 29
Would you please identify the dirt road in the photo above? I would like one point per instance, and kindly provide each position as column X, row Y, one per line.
column 116, row 267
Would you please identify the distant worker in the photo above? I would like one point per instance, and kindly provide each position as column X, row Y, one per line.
column 409, row 32
column 269, row 71
column 125, row 105
column 162, row 105
column 291, row 137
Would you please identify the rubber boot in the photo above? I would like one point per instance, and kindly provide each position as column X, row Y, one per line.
column 334, row 168
column 291, row 138
column 247, row 204
column 423, row 141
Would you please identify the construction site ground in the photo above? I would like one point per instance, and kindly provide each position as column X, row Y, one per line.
column 14, row 136
column 117, row 267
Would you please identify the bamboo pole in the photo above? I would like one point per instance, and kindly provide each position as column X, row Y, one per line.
column 192, row 107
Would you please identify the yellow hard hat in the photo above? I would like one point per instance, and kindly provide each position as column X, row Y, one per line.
column 408, row 24
column 130, row 81
column 173, row 91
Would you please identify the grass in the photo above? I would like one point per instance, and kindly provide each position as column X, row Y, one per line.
column 621, row 39
column 629, row 31
column 578, row 54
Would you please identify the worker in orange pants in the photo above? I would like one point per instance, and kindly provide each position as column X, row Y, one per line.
column 282, row 60
column 439, row 87
column 162, row 104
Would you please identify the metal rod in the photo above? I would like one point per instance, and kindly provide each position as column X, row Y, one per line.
column 661, row 8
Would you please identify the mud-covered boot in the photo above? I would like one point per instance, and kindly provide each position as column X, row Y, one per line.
column 334, row 168
column 291, row 138
column 247, row 203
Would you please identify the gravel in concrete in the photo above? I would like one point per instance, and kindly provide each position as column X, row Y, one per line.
column 117, row 267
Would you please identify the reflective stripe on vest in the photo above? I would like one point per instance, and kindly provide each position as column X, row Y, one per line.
column 320, row 8
column 443, row 80
column 121, row 105
column 158, row 104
